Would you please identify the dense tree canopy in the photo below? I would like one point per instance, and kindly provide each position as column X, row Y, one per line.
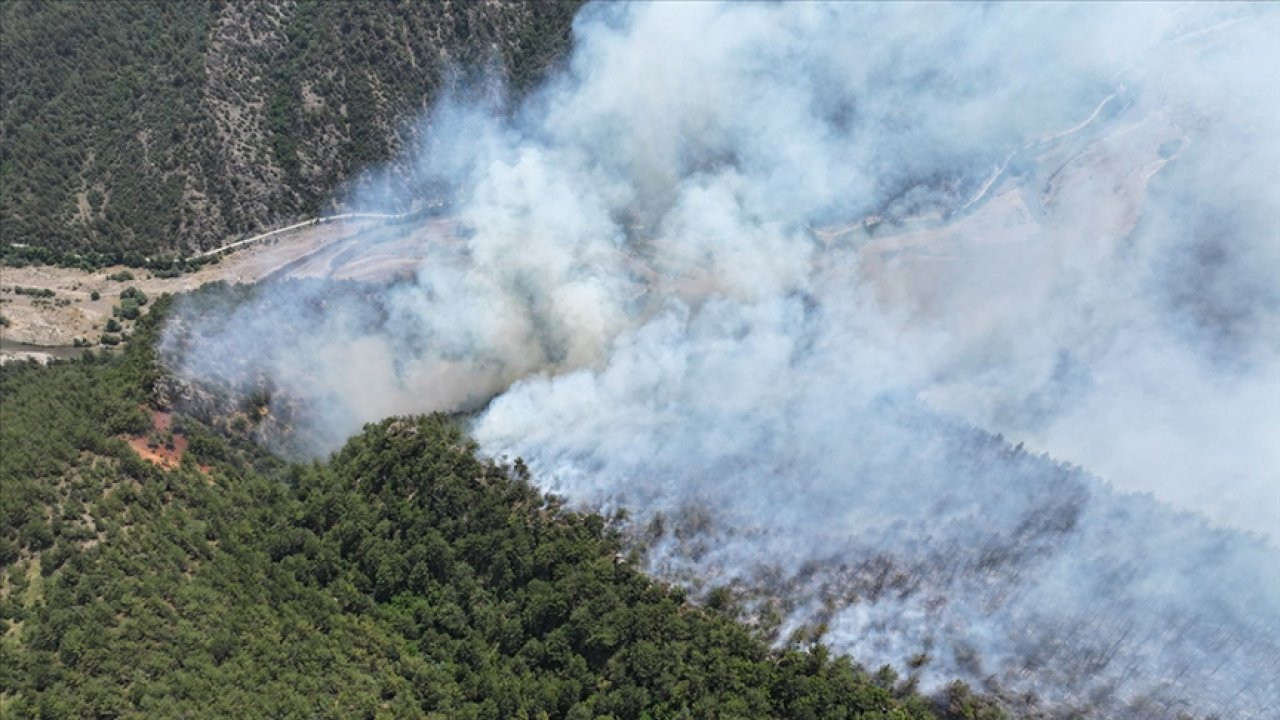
column 404, row 577
column 135, row 130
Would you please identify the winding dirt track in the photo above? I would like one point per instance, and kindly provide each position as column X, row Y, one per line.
column 297, row 226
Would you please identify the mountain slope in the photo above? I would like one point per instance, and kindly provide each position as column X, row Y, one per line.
column 403, row 578
column 144, row 129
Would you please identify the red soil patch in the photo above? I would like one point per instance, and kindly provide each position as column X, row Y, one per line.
column 161, row 455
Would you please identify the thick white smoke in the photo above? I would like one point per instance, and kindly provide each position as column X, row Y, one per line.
column 766, row 275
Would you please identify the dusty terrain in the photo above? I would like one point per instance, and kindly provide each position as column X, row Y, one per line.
column 1020, row 230
column 44, row 327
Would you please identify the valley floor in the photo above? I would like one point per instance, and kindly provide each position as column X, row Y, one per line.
column 44, row 327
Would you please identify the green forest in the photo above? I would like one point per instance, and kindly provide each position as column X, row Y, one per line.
column 404, row 577
column 132, row 131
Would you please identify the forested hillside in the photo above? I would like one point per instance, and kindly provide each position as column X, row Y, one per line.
column 403, row 578
column 143, row 129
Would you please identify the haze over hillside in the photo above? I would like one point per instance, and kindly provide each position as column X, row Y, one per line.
column 154, row 566
column 771, row 277
column 943, row 336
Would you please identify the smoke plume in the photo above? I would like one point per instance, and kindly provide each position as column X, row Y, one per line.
column 815, row 291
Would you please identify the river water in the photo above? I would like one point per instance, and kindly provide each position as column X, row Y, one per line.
column 10, row 347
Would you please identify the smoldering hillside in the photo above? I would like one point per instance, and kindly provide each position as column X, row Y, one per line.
column 811, row 290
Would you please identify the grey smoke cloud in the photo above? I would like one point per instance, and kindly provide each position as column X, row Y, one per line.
column 767, row 275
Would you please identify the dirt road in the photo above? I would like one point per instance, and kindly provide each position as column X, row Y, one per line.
column 297, row 226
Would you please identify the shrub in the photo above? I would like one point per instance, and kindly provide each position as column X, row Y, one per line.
column 35, row 292
column 133, row 293
column 127, row 310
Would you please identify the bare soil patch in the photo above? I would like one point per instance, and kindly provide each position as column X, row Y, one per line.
column 161, row 447
column 73, row 314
